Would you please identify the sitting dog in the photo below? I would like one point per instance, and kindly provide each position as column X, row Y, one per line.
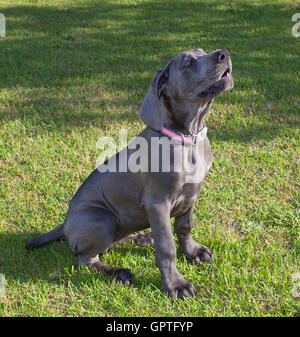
column 110, row 206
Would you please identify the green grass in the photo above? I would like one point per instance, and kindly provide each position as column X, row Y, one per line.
column 73, row 71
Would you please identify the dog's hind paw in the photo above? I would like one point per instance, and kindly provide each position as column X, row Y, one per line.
column 123, row 275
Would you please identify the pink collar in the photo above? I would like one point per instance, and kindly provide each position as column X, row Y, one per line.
column 179, row 137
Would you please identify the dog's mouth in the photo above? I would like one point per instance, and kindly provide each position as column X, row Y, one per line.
column 224, row 77
column 226, row 72
column 223, row 84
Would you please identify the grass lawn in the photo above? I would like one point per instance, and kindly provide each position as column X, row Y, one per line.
column 75, row 70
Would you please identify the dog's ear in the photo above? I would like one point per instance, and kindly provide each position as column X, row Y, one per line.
column 151, row 112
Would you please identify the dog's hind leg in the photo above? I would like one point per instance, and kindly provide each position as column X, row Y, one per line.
column 141, row 239
column 90, row 233
column 92, row 262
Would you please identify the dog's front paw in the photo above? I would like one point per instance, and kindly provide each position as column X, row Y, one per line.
column 200, row 254
column 178, row 287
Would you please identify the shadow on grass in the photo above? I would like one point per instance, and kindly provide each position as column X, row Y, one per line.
column 121, row 46
column 49, row 262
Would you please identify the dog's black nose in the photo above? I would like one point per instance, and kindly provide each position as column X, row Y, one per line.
column 222, row 55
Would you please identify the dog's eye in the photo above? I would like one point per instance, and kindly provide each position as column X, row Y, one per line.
column 187, row 63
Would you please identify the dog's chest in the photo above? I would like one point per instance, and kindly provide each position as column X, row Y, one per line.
column 185, row 198
column 192, row 161
column 197, row 164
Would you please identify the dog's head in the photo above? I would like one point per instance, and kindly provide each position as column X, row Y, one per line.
column 181, row 93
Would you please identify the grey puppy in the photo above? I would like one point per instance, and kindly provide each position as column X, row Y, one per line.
column 110, row 206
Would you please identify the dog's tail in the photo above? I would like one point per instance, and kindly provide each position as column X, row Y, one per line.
column 55, row 234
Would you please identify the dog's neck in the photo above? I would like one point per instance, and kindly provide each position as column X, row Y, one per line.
column 185, row 118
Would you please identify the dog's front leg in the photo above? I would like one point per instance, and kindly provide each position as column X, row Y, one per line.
column 165, row 252
column 194, row 251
